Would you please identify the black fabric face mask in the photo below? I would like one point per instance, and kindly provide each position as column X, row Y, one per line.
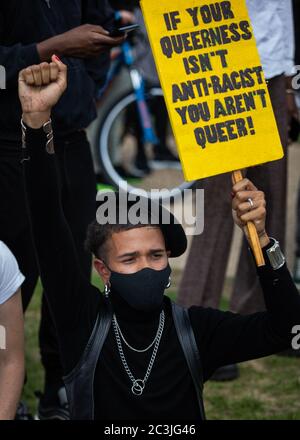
column 143, row 290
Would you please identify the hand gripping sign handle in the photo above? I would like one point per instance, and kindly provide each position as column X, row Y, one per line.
column 252, row 232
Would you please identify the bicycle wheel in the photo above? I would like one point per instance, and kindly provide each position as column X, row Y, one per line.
column 127, row 161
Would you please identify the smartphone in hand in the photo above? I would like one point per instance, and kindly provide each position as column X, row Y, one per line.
column 121, row 31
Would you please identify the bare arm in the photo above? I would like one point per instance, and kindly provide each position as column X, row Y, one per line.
column 84, row 41
column 11, row 356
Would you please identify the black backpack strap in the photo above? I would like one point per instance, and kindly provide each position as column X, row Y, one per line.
column 80, row 382
column 188, row 343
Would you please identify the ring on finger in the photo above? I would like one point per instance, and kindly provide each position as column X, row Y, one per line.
column 251, row 203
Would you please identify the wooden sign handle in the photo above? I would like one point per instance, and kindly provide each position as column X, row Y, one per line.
column 252, row 232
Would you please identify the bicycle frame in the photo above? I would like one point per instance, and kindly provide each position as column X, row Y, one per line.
column 138, row 85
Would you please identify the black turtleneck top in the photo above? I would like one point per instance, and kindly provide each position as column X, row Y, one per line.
column 169, row 392
column 222, row 337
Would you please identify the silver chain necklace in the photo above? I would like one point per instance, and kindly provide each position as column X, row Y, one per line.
column 138, row 385
column 130, row 346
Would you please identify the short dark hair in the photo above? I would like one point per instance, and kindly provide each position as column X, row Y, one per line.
column 97, row 236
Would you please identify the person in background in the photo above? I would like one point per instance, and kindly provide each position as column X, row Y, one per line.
column 30, row 32
column 203, row 277
column 163, row 157
column 297, row 261
column 11, row 334
column 296, row 4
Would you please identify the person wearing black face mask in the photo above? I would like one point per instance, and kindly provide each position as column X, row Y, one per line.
column 132, row 354
column 142, row 290
column 30, row 32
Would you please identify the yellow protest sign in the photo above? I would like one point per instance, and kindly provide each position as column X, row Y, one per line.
column 213, row 83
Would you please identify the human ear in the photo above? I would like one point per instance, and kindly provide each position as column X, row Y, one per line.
column 102, row 270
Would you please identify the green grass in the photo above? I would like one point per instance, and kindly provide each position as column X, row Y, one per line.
column 107, row 187
column 267, row 389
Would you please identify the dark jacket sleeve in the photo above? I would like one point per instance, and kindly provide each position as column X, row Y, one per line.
column 17, row 57
column 224, row 338
column 125, row 4
column 100, row 13
column 296, row 5
column 73, row 301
